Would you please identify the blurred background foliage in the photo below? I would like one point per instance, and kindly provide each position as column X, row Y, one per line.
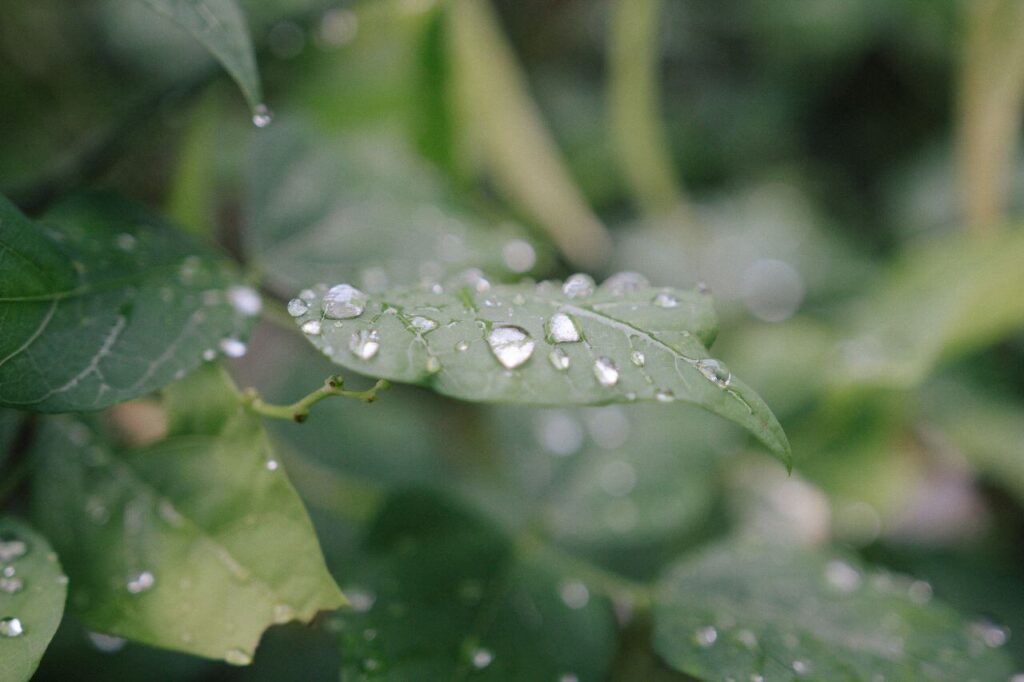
column 844, row 176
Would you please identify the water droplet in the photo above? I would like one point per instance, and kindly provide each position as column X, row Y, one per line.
column 237, row 657
column 311, row 327
column 423, row 324
column 518, row 255
column 1019, row 677
column 664, row 395
column 108, row 644
column 993, row 635
column 433, row 365
column 307, row 295
column 283, row 613
column 126, row 242
column 574, row 594
column 606, row 371
column 625, row 283
column 920, row 592
column 666, row 299
column 481, row 658
column 842, row 576
column 715, row 371
column 12, row 548
column 262, row 116
column 11, row 585
column 246, row 300
column 344, row 301
column 8, row 571
column 462, row 346
column 475, row 280
column 209, row 354
column 141, row 582
column 559, row 359
column 706, row 636
column 511, row 345
column 637, row 358
column 364, row 343
column 618, row 478
column 11, row 627
column 233, row 348
column 361, row 600
column 801, row 667
column 578, row 286
column 562, row 329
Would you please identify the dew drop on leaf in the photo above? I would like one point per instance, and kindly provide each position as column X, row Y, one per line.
column 141, row 582
column 433, row 365
column 606, row 371
column 625, row 282
column 232, row 348
column 297, row 307
column 311, row 327
column 562, row 329
column 11, row 585
column 559, row 359
column 574, row 594
column 511, row 345
column 666, row 299
column 209, row 354
column 706, row 636
column 245, row 300
column 262, row 116
column 344, row 301
column 519, row 255
column 481, row 658
column 462, row 346
column 664, row 395
column 11, row 627
column 638, row 358
column 423, row 324
column 801, row 667
column 364, row 343
column 578, row 286
column 715, row 371
column 12, row 548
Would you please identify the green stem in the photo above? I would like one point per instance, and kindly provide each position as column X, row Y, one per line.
column 14, row 478
column 299, row 410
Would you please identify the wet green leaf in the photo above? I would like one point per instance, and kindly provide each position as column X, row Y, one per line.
column 32, row 593
column 103, row 302
column 196, row 543
column 220, row 26
column 444, row 594
column 540, row 345
column 743, row 610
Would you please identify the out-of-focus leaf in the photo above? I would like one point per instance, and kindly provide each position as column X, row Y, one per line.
column 197, row 543
column 366, row 209
column 220, row 26
column 942, row 301
column 507, row 134
column 444, row 594
column 32, row 593
column 110, row 304
column 191, row 201
column 540, row 345
column 783, row 613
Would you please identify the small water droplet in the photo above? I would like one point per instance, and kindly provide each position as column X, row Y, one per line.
column 606, row 371
column 624, row 283
column 519, row 255
column 311, row 327
column 706, row 636
column 801, row 667
column 481, row 658
column 842, row 576
column 563, row 329
column 364, row 343
column 638, row 358
column 664, row 395
column 307, row 295
column 11, row 627
column 246, row 300
column 209, row 354
column 344, row 301
column 433, row 365
column 423, row 324
column 262, row 116
column 559, row 359
column 272, row 465
column 141, row 582
column 574, row 594
column 233, row 348
column 237, row 657
column 11, row 585
column 715, row 371
column 462, row 346
column 475, row 279
column 12, row 548
column 126, row 242
column 511, row 345
column 108, row 644
column 666, row 299
column 578, row 286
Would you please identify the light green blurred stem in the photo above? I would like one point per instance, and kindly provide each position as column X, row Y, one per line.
column 299, row 410
column 637, row 131
column 507, row 138
column 191, row 200
column 991, row 101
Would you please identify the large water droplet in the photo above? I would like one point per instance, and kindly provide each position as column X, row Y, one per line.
column 364, row 343
column 578, row 286
column 11, row 627
column 233, row 348
column 423, row 324
column 141, row 582
column 625, row 283
column 344, row 301
column 311, row 327
column 606, row 371
column 297, row 307
column 706, row 636
column 715, row 371
column 481, row 658
column 238, row 657
column 245, row 300
column 12, row 548
column 262, row 116
column 511, row 345
column 574, row 594
column 559, row 359
column 562, row 329
column 666, row 299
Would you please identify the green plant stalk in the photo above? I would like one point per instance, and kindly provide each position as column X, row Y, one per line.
column 299, row 410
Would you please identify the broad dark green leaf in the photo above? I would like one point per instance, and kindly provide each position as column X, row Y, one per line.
column 32, row 593
column 366, row 208
column 539, row 345
column 196, row 543
column 104, row 302
column 445, row 595
column 741, row 611
column 220, row 26
column 944, row 300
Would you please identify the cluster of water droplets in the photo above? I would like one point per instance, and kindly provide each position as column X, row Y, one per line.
column 13, row 549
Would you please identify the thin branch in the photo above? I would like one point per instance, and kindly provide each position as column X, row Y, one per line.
column 299, row 410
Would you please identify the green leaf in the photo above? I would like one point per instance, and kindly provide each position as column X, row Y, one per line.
column 445, row 595
column 941, row 302
column 633, row 342
column 785, row 613
column 220, row 26
column 108, row 304
column 9, row 423
column 32, row 593
column 196, row 543
column 364, row 206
